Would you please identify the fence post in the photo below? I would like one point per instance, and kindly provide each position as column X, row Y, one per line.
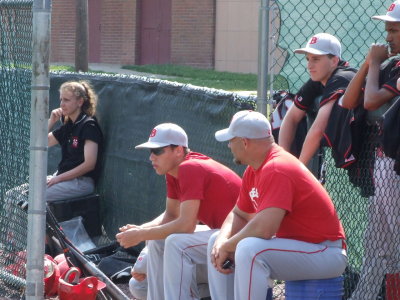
column 38, row 147
column 81, row 37
column 263, row 52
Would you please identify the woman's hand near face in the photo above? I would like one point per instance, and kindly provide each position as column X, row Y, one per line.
column 55, row 115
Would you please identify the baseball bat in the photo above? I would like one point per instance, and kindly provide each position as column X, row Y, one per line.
column 91, row 269
column 78, row 259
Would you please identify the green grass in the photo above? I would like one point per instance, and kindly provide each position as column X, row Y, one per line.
column 62, row 68
column 204, row 77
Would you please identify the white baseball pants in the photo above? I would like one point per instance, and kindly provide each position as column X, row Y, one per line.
column 259, row 261
column 171, row 265
column 382, row 235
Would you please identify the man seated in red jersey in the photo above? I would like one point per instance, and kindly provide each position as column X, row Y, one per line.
column 199, row 189
column 284, row 224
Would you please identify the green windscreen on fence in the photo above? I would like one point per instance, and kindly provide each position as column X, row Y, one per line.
column 128, row 109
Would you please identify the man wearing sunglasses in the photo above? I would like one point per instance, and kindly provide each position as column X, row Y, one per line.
column 199, row 189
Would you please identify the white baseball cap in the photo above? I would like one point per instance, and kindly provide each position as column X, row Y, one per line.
column 164, row 135
column 322, row 44
column 246, row 124
column 392, row 14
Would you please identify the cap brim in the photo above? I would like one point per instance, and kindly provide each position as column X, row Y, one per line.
column 385, row 18
column 310, row 50
column 151, row 145
column 223, row 135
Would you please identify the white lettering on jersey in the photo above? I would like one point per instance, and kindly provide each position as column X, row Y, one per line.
column 254, row 196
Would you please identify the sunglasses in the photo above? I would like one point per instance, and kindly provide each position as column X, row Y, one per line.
column 158, row 151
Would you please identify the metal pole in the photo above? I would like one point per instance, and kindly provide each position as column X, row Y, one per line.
column 272, row 52
column 38, row 148
column 263, row 52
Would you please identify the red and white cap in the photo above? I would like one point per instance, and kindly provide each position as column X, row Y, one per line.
column 392, row 14
column 322, row 44
column 166, row 134
column 246, row 124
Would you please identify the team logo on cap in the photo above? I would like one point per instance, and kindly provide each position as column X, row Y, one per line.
column 153, row 133
column 313, row 40
column 391, row 8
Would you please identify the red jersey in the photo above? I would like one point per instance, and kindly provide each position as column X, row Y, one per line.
column 202, row 178
column 282, row 181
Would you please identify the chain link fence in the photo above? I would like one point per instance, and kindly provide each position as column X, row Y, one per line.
column 366, row 194
column 15, row 82
column 292, row 24
column 350, row 21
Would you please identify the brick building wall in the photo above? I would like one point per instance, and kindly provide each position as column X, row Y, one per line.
column 193, row 33
column 62, row 31
column 118, row 31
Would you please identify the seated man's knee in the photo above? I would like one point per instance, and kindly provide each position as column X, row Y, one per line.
column 212, row 238
column 174, row 241
column 245, row 250
column 138, row 289
column 211, row 241
column 155, row 245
